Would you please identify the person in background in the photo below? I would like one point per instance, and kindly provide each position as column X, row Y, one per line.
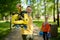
column 45, row 28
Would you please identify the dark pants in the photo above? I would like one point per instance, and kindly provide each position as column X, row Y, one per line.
column 25, row 37
column 45, row 36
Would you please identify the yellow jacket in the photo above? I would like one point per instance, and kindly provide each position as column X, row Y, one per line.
column 28, row 21
column 13, row 18
column 29, row 29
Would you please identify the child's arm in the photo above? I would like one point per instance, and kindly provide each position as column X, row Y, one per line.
column 24, row 21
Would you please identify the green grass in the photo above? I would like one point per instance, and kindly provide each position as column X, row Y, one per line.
column 4, row 29
column 38, row 23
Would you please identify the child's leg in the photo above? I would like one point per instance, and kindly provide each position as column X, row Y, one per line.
column 44, row 35
column 17, row 26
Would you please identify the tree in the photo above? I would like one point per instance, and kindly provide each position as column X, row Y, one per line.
column 57, row 14
column 6, row 6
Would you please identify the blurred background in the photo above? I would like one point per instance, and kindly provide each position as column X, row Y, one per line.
column 40, row 8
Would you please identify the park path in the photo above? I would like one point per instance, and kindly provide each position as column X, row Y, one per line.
column 15, row 35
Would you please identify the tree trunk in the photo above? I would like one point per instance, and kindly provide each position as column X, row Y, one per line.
column 45, row 7
column 54, row 12
column 57, row 14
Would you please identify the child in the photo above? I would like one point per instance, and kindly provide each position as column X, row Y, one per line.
column 14, row 17
column 45, row 28
column 19, row 17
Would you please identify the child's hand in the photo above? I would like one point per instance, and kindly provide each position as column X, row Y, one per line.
column 47, row 32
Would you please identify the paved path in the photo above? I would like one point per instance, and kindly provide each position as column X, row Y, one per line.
column 15, row 35
column 36, row 34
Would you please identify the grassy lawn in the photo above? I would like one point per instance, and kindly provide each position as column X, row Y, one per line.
column 4, row 29
column 38, row 23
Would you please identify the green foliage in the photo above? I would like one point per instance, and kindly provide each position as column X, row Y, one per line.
column 50, row 0
column 6, row 6
column 38, row 23
column 4, row 29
